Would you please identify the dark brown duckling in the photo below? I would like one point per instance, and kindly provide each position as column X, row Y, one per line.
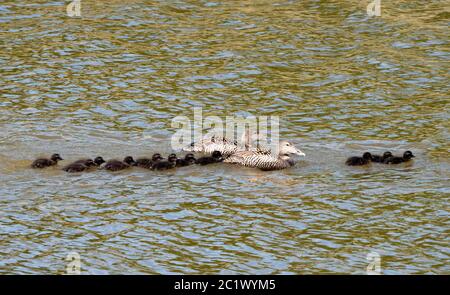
column 116, row 165
column 164, row 165
column 408, row 155
column 43, row 163
column 358, row 161
column 189, row 159
column 148, row 163
column 97, row 161
column 80, row 166
column 380, row 159
column 216, row 157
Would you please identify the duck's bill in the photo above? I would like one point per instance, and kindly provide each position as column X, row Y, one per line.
column 300, row 153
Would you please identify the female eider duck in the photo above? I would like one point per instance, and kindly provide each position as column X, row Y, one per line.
column 359, row 161
column 215, row 143
column 189, row 159
column 265, row 160
column 148, row 163
column 164, row 165
column 115, row 165
column 380, row 159
column 43, row 163
column 226, row 146
column 408, row 155
column 216, row 157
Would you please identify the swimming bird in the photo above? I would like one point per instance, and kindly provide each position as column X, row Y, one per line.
column 116, row 165
column 380, row 159
column 358, row 161
column 189, row 159
column 42, row 162
column 97, row 161
column 146, row 162
column 216, row 157
column 79, row 166
column 227, row 146
column 408, row 155
column 214, row 143
column 265, row 160
column 164, row 165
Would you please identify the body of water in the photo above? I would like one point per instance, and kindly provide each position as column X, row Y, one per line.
column 110, row 82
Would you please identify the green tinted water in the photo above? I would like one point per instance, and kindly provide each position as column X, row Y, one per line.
column 110, row 82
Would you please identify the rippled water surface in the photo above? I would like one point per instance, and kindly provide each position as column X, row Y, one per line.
column 110, row 82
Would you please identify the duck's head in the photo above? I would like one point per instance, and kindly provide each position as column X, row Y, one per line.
column 98, row 161
column 387, row 155
column 172, row 158
column 129, row 160
column 217, row 155
column 157, row 157
column 287, row 148
column 408, row 155
column 56, row 157
column 367, row 156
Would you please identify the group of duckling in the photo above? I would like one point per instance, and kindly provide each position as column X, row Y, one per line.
column 156, row 162
column 386, row 158
column 217, row 149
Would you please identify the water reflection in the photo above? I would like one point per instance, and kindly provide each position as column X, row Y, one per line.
column 110, row 82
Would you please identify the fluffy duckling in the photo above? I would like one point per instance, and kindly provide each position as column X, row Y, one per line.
column 97, row 161
column 147, row 163
column 408, row 155
column 358, row 161
column 79, row 166
column 380, row 159
column 189, row 159
column 215, row 158
column 43, row 163
column 115, row 165
column 164, row 165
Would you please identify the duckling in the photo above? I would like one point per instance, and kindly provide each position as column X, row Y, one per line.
column 380, row 159
column 115, row 165
column 215, row 158
column 79, row 166
column 164, row 165
column 189, row 159
column 408, row 155
column 357, row 161
column 42, row 163
column 146, row 162
column 97, row 161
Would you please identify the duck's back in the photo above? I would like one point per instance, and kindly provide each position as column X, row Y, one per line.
column 393, row 160
column 209, row 145
column 144, row 163
column 42, row 163
column 115, row 165
column 356, row 161
column 75, row 167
